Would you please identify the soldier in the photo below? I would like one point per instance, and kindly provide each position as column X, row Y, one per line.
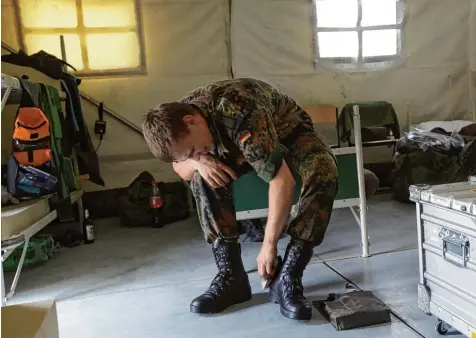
column 221, row 131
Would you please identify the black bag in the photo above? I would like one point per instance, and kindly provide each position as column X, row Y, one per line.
column 103, row 203
column 134, row 207
column 175, row 197
column 42, row 61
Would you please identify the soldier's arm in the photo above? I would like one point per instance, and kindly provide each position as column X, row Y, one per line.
column 281, row 195
column 211, row 169
column 261, row 148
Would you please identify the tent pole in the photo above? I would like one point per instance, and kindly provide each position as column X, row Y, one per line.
column 472, row 99
column 451, row 109
column 63, row 52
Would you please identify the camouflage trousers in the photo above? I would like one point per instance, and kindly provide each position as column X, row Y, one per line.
column 317, row 170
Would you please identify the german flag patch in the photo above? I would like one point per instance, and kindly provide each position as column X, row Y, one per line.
column 244, row 137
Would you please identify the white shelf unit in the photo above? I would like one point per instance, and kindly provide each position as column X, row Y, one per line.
column 11, row 85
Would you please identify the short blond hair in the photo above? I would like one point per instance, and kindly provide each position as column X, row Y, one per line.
column 163, row 124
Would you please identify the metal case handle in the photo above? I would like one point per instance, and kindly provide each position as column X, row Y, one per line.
column 457, row 244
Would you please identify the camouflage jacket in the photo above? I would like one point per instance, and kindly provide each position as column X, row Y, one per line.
column 257, row 118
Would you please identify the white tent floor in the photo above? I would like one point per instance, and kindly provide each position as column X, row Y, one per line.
column 139, row 282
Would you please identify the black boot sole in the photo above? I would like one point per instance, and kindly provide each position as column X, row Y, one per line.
column 196, row 309
column 274, row 298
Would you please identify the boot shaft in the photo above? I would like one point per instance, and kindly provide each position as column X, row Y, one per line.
column 297, row 256
column 228, row 256
column 231, row 284
column 287, row 289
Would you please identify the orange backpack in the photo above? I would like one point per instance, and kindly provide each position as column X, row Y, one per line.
column 31, row 136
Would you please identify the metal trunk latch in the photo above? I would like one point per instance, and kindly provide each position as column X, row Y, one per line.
column 456, row 244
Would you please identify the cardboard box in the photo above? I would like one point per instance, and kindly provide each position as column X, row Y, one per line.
column 30, row 320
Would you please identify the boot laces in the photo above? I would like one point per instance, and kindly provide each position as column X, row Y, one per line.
column 292, row 278
column 224, row 275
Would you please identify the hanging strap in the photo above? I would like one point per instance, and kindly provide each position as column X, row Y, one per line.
column 28, row 99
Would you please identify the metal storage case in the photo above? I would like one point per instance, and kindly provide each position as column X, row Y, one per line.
column 446, row 217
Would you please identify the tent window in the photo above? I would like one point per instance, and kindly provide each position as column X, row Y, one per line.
column 101, row 37
column 358, row 33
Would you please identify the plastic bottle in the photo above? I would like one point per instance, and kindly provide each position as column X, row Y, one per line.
column 156, row 206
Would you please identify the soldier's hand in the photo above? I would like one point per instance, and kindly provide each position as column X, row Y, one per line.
column 214, row 172
column 266, row 260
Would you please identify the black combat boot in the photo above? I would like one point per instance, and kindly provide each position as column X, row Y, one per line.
column 230, row 286
column 286, row 289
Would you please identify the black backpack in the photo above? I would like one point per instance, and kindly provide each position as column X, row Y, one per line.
column 134, row 207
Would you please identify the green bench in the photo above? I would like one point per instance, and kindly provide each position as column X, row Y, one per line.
column 250, row 193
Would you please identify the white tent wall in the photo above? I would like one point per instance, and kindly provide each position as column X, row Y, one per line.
column 472, row 57
column 187, row 45
column 9, row 35
column 272, row 40
column 472, row 36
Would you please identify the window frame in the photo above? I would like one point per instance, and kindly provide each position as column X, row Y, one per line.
column 361, row 63
column 82, row 31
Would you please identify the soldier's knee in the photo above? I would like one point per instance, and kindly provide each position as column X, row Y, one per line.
column 322, row 169
column 197, row 184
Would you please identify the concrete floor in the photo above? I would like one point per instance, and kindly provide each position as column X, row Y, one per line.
column 139, row 282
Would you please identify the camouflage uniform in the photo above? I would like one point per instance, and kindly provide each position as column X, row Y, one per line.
column 256, row 127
